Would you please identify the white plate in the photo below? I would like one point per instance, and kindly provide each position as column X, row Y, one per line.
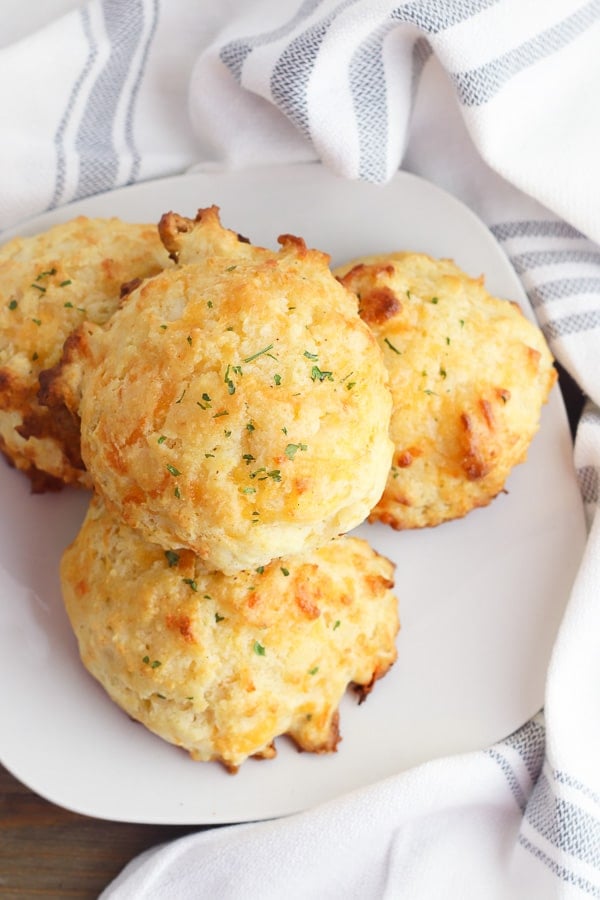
column 480, row 599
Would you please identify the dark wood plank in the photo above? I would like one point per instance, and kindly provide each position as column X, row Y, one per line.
column 46, row 851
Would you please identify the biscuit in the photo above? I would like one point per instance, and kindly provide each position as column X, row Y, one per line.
column 469, row 375
column 237, row 407
column 49, row 284
column 222, row 665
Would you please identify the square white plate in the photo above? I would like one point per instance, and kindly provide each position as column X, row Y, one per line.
column 480, row 598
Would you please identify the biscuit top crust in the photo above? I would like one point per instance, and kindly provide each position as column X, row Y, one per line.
column 191, row 240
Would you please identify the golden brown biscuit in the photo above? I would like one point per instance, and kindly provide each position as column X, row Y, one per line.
column 469, row 375
column 236, row 407
column 49, row 284
column 223, row 665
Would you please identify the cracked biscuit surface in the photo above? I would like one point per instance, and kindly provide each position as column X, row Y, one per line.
column 49, row 284
column 469, row 375
column 222, row 665
column 237, row 406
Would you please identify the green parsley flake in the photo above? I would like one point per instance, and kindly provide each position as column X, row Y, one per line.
column 292, row 449
column 172, row 470
column 154, row 664
column 336, row 624
column 391, row 346
column 65, row 283
column 38, row 287
column 312, row 356
column 277, row 379
column 313, row 671
column 260, row 570
column 250, row 427
column 317, row 375
column 162, row 439
column 284, row 571
column 13, row 304
column 172, row 558
column 68, row 305
column 259, row 649
column 260, row 353
column 435, row 300
column 218, row 618
column 191, row 583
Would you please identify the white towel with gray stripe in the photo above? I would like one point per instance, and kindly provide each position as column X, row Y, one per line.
column 494, row 100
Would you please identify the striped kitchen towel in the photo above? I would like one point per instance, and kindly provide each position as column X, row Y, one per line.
column 494, row 100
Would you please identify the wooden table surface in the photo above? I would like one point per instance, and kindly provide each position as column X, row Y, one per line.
column 46, row 851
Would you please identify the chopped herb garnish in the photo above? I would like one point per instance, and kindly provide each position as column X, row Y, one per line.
column 249, row 458
column 277, row 379
column 177, row 492
column 259, row 649
column 292, row 449
column 350, row 385
column 250, row 427
column 284, row 571
column 260, row 353
column 262, row 474
column 164, row 327
column 248, row 490
column 44, row 274
column 37, row 321
column 189, row 339
column 172, row 558
column 284, row 429
column 317, row 375
column 336, row 624
column 218, row 618
column 209, row 303
column 462, row 323
column 13, row 304
column 162, row 439
column 313, row 671
column 448, row 340
column 260, row 570
column 191, row 582
column 65, row 283
column 443, row 372
column 39, row 287
column 222, row 412
column 35, row 356
column 161, row 696
column 173, row 470
column 312, row 356
column 431, row 393
column 435, row 300
column 391, row 346
column 230, row 268
column 182, row 396
column 154, row 664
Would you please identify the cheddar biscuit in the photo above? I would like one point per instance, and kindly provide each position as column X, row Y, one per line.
column 469, row 375
column 49, row 284
column 237, row 407
column 222, row 665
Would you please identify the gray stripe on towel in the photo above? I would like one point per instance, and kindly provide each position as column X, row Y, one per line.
column 478, row 86
column 99, row 161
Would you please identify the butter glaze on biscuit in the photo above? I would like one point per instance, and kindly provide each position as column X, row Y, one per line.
column 236, row 406
column 469, row 375
column 219, row 665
